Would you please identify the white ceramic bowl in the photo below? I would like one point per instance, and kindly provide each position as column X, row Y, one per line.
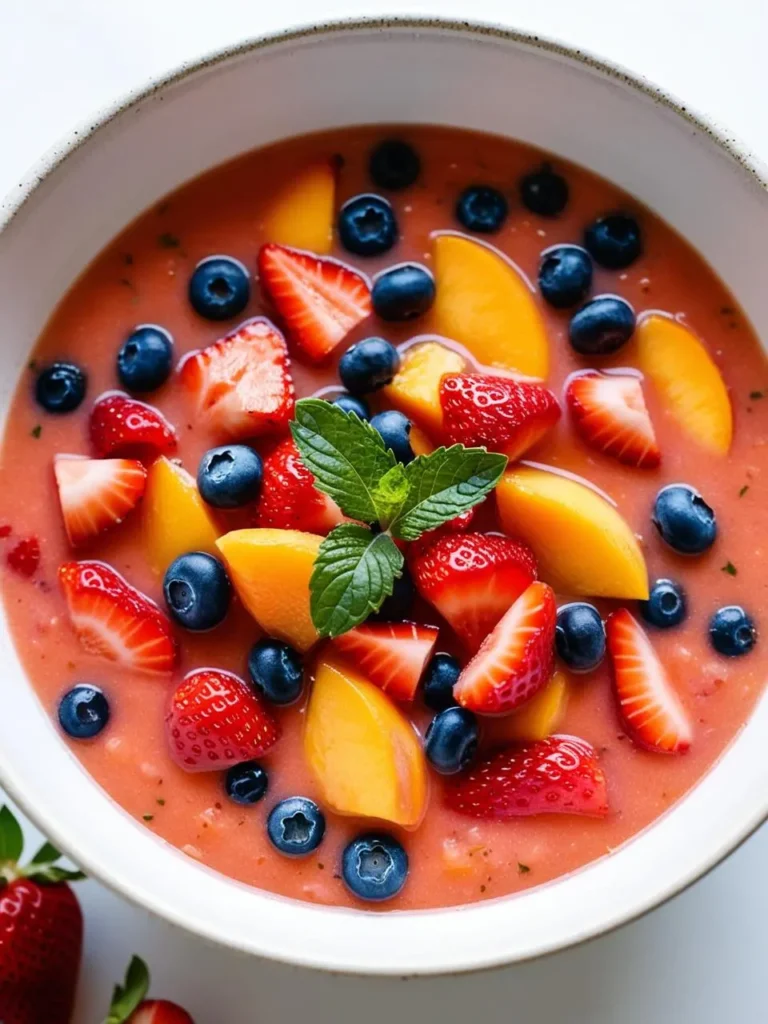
column 470, row 76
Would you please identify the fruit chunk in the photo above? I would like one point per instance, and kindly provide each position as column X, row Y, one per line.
column 536, row 719
column 24, row 556
column 242, row 383
column 415, row 389
column 502, row 414
column 559, row 775
column 648, row 704
column 515, row 660
column 487, row 305
column 420, row 442
column 364, row 753
column 301, row 213
column 270, row 570
column 120, row 425
column 610, row 414
column 289, row 499
column 116, row 621
column 472, row 579
column 582, row 544
column 174, row 516
column 392, row 655
column 96, row 494
column 685, row 375
column 319, row 300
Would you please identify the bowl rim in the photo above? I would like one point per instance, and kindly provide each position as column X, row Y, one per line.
column 80, row 133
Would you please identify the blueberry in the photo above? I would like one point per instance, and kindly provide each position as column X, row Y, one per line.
column 666, row 605
column 367, row 225
column 398, row 605
column 246, row 783
column 197, row 591
column 403, row 292
column 451, row 740
column 369, row 365
column 353, row 403
column 482, row 208
column 219, row 288
column 374, row 867
column 684, row 520
column 229, row 476
column 732, row 631
column 544, row 192
column 276, row 671
column 602, row 326
column 565, row 275
column 440, row 677
column 614, row 240
column 60, row 387
column 580, row 636
column 145, row 359
column 395, row 428
column 83, row 711
column 296, row 826
column 394, row 164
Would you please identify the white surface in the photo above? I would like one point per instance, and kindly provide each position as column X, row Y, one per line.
column 701, row 958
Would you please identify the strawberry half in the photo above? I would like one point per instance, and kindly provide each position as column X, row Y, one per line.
column 96, row 494
column 289, row 499
column 504, row 414
column 558, row 775
column 610, row 414
column 215, row 720
column 114, row 620
column 120, row 425
column 318, row 299
column 242, row 383
column 516, row 660
column 472, row 579
column 648, row 704
column 392, row 655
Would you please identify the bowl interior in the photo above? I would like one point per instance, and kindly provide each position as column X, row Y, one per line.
column 424, row 73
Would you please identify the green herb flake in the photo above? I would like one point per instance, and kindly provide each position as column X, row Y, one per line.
column 160, row 802
column 36, row 431
column 128, row 259
column 743, row 490
column 167, row 240
column 148, row 817
column 730, row 569
column 32, row 365
column 522, row 869
column 756, row 395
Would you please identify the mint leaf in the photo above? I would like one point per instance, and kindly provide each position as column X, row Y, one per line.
column 126, row 997
column 354, row 571
column 346, row 456
column 11, row 837
column 444, row 484
column 390, row 493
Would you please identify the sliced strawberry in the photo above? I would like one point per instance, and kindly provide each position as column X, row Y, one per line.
column 458, row 525
column 242, row 383
column 289, row 499
column 392, row 655
column 516, row 660
column 114, row 620
column 648, row 704
column 472, row 579
column 215, row 720
column 24, row 556
column 558, row 775
column 504, row 414
column 609, row 413
column 318, row 299
column 120, row 425
column 96, row 494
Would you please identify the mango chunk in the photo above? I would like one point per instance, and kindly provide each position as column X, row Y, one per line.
column 301, row 213
column 270, row 570
column 415, row 390
column 420, row 442
column 175, row 519
column 582, row 544
column 364, row 753
column 541, row 716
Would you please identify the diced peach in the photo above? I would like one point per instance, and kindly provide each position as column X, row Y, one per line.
column 415, row 389
column 420, row 443
column 536, row 720
column 270, row 570
column 484, row 302
column 301, row 213
column 364, row 752
column 582, row 544
column 175, row 518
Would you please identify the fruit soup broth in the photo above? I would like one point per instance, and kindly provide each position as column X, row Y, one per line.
column 142, row 278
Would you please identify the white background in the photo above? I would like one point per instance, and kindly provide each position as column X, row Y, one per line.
column 702, row 958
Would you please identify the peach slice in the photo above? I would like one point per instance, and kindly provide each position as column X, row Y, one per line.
column 684, row 374
column 415, row 389
column 175, row 518
column 364, row 753
column 301, row 214
column 582, row 544
column 270, row 570
column 539, row 718
column 420, row 442
column 488, row 306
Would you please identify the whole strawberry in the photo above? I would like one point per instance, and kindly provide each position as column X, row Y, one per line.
column 130, row 1007
column 41, row 932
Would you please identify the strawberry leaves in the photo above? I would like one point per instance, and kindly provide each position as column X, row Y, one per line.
column 128, row 996
column 11, row 838
column 42, row 867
